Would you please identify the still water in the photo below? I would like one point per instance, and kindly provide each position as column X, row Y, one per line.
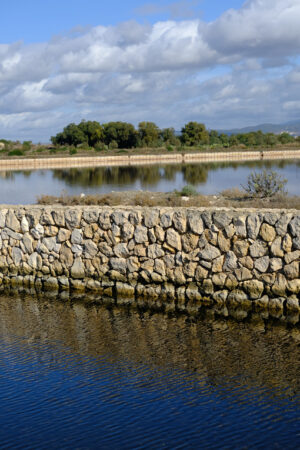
column 77, row 375
column 21, row 187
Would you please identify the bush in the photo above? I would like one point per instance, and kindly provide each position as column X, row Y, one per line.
column 16, row 152
column 187, row 191
column 265, row 184
column 72, row 151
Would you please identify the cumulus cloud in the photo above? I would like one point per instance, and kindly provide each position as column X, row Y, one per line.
column 240, row 69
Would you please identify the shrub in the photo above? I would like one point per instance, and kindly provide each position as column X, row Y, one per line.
column 16, row 152
column 72, row 151
column 187, row 191
column 265, row 184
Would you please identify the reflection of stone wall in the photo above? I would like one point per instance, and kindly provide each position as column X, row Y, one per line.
column 177, row 257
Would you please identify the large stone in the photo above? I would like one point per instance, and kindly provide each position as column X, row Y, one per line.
column 76, row 236
column 50, row 243
column 66, row 256
column 17, row 255
column 253, row 288
column 104, row 220
column 280, row 285
column 291, row 271
column 151, row 218
column 179, row 221
column 294, row 286
column 38, row 231
column 218, row 264
column 173, row 239
column 219, row 279
column 262, row 263
column 253, row 225
column 141, row 234
column 189, row 241
column 91, row 215
column 24, row 225
column 223, row 243
column 166, row 218
column 267, row 232
column 291, row 257
column 73, row 218
column 258, row 249
column 209, row 253
column 155, row 251
column 59, row 217
column 35, row 261
column 230, row 262
column 77, row 269
column 276, row 249
column 282, row 224
column 127, row 231
column 237, row 297
column 3, row 213
column 179, row 277
column 46, row 218
column 247, row 262
column 287, row 243
column 195, row 222
column 201, row 273
column 90, row 249
column 275, row 264
column 240, row 248
column 12, row 222
column 119, row 264
column 240, row 226
column 243, row 274
column 222, row 219
column 294, row 226
column 63, row 235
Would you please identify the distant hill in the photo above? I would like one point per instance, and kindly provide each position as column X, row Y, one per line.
column 292, row 128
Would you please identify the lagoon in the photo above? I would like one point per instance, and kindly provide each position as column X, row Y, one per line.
column 23, row 187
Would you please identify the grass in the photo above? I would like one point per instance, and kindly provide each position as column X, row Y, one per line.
column 233, row 198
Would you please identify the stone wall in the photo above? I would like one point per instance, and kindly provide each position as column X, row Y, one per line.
column 180, row 257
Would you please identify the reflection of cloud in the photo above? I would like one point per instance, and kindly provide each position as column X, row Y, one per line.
column 239, row 69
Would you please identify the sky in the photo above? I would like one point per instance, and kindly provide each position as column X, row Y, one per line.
column 227, row 64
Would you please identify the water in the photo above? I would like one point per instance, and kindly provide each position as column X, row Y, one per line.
column 21, row 187
column 77, row 375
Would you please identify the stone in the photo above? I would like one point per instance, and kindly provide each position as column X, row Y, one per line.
column 49, row 243
column 46, row 218
column 63, row 235
column 219, row 279
column 276, row 249
column 76, row 236
column 293, row 256
column 78, row 269
column 210, row 237
column 90, row 215
column 119, row 264
column 201, row 273
column 231, row 282
column 66, row 256
column 292, row 304
column 262, row 263
column 35, row 261
column 291, row 271
column 133, row 264
column 218, row 264
column 230, row 262
column 90, row 249
column 294, row 226
column 155, row 251
column 104, row 220
column 280, row 285
column 275, row 264
column 121, row 250
column 229, row 231
column 173, row 239
column 3, row 213
column 271, row 217
column 141, row 234
column 253, row 226
column 209, row 252
column 276, row 304
column 195, row 222
column 207, row 287
column 127, row 231
column 220, row 297
column 243, row 274
column 222, row 219
column 179, row 277
column 12, row 222
column 253, row 288
column 105, row 249
column 159, row 233
column 24, row 225
column 189, row 269
column 223, row 243
column 179, row 221
column 73, row 218
column 166, row 219
column 247, row 262
column 296, row 243
column 293, row 286
column 77, row 250
column 59, row 218
column 151, row 218
column 38, row 231
column 240, row 226
column 258, row 249
column 287, row 243
column 189, row 241
column 139, row 250
column 281, row 225
column 240, row 248
column 267, row 232
column 262, row 303
column 237, row 297
column 17, row 255
column 115, row 230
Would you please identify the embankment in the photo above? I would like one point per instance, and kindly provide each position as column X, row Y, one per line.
column 177, row 258
column 134, row 160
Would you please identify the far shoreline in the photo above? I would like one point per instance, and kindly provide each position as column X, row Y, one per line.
column 57, row 162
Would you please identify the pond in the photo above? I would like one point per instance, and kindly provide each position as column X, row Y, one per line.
column 78, row 375
column 23, row 187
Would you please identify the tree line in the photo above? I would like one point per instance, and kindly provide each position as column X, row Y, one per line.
column 124, row 135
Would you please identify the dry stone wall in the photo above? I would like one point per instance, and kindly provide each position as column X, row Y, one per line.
column 181, row 257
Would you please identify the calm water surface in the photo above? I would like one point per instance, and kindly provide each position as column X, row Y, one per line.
column 208, row 178
column 82, row 376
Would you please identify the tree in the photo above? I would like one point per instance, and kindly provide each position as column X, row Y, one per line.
column 149, row 134
column 286, row 138
column 214, row 137
column 122, row 134
column 71, row 135
column 265, row 184
column 169, row 137
column 194, row 133
column 93, row 132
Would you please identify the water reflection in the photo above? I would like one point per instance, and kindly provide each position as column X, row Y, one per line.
column 208, row 178
column 106, row 377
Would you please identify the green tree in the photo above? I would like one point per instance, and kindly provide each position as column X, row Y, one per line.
column 286, row 138
column 149, row 134
column 194, row 133
column 121, row 134
column 93, row 132
column 71, row 135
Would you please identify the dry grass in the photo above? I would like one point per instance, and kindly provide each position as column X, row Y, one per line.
column 231, row 198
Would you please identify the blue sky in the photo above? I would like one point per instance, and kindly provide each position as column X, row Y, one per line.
column 227, row 63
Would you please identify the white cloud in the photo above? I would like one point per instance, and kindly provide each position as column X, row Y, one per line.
column 166, row 72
